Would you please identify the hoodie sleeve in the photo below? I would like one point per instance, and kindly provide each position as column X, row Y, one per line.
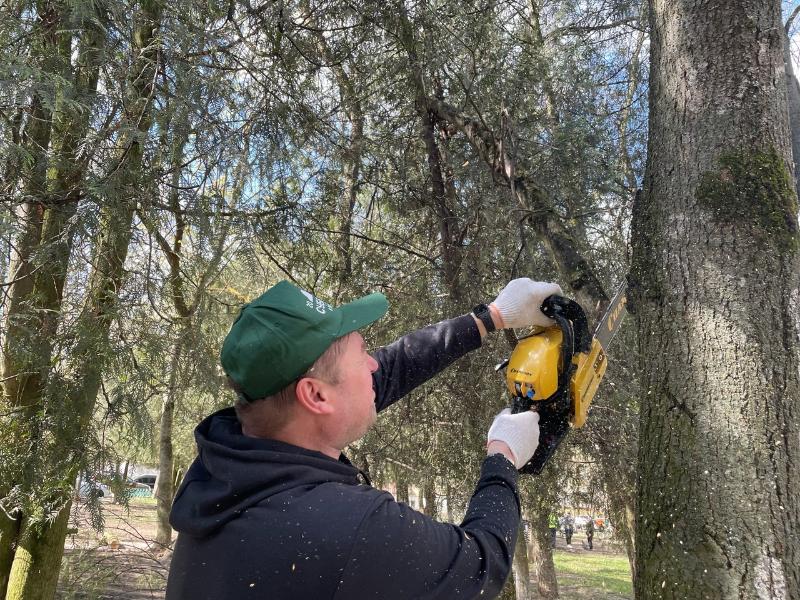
column 401, row 553
column 418, row 356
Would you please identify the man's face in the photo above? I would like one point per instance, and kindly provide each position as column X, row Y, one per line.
column 353, row 394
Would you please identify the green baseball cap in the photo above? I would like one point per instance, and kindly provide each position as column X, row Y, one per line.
column 278, row 336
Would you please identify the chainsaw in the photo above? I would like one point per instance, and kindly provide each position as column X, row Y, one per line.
column 556, row 370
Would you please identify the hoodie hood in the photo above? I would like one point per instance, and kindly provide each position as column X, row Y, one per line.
column 233, row 472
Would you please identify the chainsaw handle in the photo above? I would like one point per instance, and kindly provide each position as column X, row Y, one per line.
column 559, row 308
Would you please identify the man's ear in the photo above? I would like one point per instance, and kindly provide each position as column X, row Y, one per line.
column 313, row 395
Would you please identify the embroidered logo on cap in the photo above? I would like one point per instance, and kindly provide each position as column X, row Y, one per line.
column 320, row 306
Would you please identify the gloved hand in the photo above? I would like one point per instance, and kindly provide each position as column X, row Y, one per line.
column 519, row 303
column 520, row 432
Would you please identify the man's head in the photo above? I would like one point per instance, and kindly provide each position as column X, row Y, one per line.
column 278, row 336
column 288, row 346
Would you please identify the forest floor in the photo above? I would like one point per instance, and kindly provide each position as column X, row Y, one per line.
column 124, row 563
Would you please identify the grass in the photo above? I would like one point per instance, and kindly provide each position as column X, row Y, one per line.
column 143, row 501
column 608, row 573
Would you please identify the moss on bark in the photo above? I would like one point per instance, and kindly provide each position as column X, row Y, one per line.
column 753, row 188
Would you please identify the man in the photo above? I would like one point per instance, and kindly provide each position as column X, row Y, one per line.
column 569, row 528
column 590, row 532
column 271, row 508
column 552, row 525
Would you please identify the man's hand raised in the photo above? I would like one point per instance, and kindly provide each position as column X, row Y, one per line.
column 520, row 302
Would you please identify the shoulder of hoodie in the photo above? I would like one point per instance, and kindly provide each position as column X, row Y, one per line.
column 357, row 500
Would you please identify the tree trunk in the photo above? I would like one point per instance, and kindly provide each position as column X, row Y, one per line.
column 402, row 486
column 40, row 555
column 37, row 559
column 30, row 334
column 9, row 533
column 40, row 257
column 520, row 569
column 165, row 490
column 39, row 270
column 540, row 554
column 429, row 496
column 443, row 196
column 716, row 295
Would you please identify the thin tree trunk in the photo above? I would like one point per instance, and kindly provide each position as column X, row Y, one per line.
column 520, row 568
column 568, row 187
column 540, row 554
column 165, row 490
column 716, row 293
column 449, row 237
column 559, row 242
column 186, row 311
column 351, row 169
column 429, row 496
column 625, row 114
column 402, row 486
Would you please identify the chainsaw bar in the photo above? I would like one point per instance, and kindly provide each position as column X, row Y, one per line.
column 615, row 314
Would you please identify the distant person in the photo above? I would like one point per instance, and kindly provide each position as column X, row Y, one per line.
column 271, row 508
column 590, row 533
column 569, row 528
column 552, row 525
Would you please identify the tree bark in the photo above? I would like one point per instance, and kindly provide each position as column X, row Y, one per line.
column 716, row 295
column 39, row 265
column 37, row 560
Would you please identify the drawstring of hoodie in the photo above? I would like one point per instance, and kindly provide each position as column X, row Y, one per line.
column 365, row 477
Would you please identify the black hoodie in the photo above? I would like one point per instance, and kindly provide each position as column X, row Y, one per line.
column 259, row 518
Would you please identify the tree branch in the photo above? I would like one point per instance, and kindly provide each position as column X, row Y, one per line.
column 590, row 28
column 791, row 19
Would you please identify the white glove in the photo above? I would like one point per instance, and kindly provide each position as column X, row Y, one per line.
column 520, row 432
column 520, row 302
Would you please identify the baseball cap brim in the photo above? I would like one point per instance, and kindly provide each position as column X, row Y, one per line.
column 361, row 312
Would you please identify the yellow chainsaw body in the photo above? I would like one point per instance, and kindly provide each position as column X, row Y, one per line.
column 534, row 367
